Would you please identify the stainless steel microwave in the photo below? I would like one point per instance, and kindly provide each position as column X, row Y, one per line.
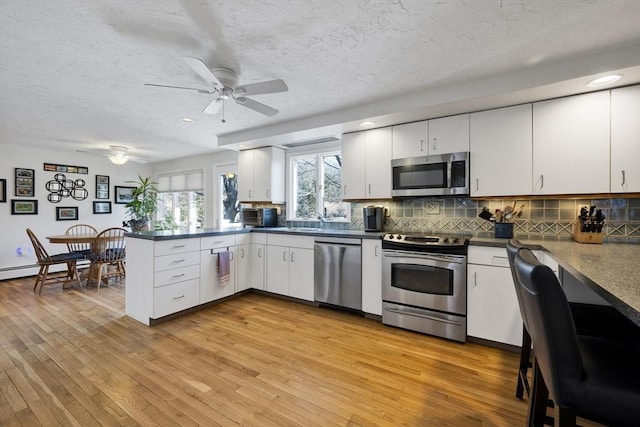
column 440, row 175
column 259, row 217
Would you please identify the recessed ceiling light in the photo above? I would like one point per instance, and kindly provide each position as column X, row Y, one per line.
column 604, row 80
column 367, row 124
column 186, row 120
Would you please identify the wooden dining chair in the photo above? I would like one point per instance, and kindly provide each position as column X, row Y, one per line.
column 80, row 248
column 45, row 261
column 108, row 255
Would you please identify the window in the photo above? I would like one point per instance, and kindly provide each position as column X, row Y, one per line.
column 227, row 206
column 180, row 201
column 316, row 187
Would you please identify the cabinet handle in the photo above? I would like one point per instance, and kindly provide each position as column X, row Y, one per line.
column 268, row 194
column 284, row 255
column 477, row 183
column 177, row 261
column 422, row 145
column 344, row 189
column 241, row 253
column 375, row 251
column 435, row 143
column 180, row 297
column 230, row 255
column 177, row 246
column 250, row 196
column 541, row 181
column 475, row 279
column 369, row 188
column 175, row 276
column 623, row 178
column 292, row 254
column 259, row 252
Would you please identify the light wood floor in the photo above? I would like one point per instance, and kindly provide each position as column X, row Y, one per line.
column 73, row 358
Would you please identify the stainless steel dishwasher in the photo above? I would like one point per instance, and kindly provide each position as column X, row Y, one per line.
column 337, row 271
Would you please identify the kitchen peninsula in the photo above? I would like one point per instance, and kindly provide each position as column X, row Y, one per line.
column 166, row 270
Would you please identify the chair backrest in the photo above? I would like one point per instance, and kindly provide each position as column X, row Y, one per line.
column 109, row 244
column 513, row 246
column 40, row 251
column 79, row 229
column 550, row 325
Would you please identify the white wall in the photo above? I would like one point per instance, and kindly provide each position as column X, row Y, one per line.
column 206, row 163
column 12, row 227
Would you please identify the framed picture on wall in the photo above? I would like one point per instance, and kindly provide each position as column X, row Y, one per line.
column 25, row 182
column 67, row 213
column 123, row 194
column 24, row 207
column 101, row 207
column 102, row 187
column 3, row 191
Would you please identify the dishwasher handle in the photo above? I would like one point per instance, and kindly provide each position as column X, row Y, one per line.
column 338, row 240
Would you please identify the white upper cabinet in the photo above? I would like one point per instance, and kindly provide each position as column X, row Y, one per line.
column 410, row 140
column 571, row 145
column 261, row 175
column 625, row 139
column 366, row 164
column 378, row 164
column 353, row 181
column 449, row 134
column 501, row 152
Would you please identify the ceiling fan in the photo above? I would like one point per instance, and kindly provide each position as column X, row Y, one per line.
column 224, row 82
column 119, row 155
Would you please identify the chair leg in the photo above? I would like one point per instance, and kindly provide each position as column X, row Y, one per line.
column 43, row 278
column 564, row 417
column 537, row 399
column 525, row 362
column 99, row 275
column 76, row 274
column 38, row 277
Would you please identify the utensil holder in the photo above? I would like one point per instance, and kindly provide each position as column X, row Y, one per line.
column 504, row 230
column 586, row 237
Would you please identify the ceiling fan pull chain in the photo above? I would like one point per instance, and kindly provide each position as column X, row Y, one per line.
column 223, row 120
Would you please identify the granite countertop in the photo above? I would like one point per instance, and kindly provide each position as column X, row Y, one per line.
column 609, row 269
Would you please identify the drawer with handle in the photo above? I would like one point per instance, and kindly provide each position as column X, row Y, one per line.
column 167, row 277
column 173, row 298
column 211, row 242
column 168, row 247
column 169, row 262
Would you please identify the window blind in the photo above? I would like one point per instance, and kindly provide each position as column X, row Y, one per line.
column 182, row 181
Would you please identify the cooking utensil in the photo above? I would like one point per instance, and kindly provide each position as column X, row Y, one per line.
column 519, row 211
column 498, row 215
column 485, row 214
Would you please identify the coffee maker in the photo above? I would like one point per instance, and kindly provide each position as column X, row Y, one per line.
column 373, row 217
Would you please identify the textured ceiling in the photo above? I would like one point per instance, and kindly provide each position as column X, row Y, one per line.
column 72, row 72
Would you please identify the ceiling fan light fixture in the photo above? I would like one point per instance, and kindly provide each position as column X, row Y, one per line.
column 118, row 155
column 367, row 124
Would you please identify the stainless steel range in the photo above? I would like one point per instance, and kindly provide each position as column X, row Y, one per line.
column 424, row 284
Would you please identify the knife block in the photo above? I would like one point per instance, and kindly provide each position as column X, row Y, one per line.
column 585, row 237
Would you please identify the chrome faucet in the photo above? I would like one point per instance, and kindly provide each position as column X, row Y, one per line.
column 322, row 219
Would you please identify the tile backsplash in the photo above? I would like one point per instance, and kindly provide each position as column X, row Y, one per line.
column 541, row 218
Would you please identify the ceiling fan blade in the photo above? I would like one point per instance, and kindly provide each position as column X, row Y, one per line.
column 202, row 70
column 256, row 106
column 271, row 86
column 208, row 92
column 213, row 107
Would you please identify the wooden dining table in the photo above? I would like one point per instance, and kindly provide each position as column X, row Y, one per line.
column 78, row 238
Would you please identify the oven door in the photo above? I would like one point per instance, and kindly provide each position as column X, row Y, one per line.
column 433, row 281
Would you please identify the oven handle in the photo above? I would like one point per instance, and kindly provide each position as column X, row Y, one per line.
column 443, row 258
column 424, row 316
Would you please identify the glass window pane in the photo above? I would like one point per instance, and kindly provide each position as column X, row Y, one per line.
column 333, row 207
column 305, row 187
column 230, row 208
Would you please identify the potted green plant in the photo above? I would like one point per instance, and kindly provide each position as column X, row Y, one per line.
column 143, row 204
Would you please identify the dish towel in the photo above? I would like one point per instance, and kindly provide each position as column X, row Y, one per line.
column 224, row 268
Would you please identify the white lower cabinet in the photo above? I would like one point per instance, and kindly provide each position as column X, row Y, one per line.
column 492, row 305
column 243, row 267
column 290, row 265
column 211, row 288
column 372, row 276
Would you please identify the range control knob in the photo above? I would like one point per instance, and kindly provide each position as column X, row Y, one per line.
column 390, row 236
column 456, row 240
column 446, row 240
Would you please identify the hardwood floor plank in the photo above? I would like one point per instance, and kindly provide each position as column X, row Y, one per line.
column 71, row 357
